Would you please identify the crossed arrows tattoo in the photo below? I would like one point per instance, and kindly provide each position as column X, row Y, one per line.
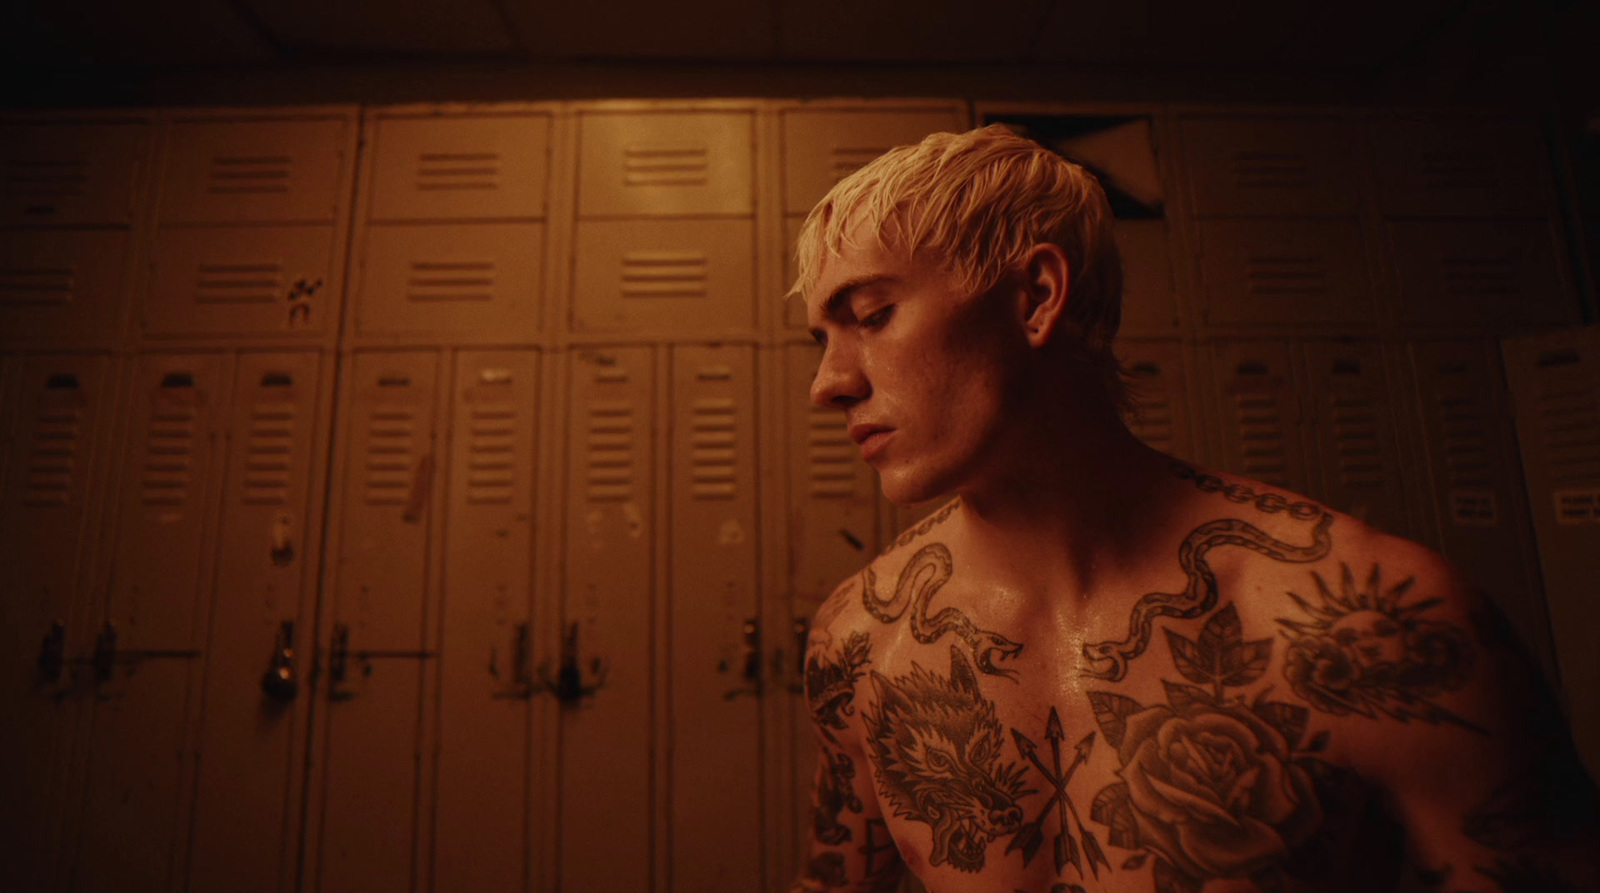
column 1030, row 837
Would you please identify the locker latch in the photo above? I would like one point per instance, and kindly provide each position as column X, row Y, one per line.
column 279, row 682
column 802, row 636
column 53, row 653
column 523, row 685
column 339, row 655
column 107, row 656
column 568, row 685
column 750, row 659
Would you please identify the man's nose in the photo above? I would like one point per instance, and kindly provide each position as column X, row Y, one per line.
column 839, row 382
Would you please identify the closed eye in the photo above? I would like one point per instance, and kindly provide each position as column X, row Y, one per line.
column 877, row 319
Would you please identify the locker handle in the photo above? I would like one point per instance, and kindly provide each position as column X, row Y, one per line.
column 53, row 653
column 568, row 685
column 107, row 656
column 523, row 684
column 802, row 636
column 279, row 682
column 751, row 660
column 339, row 655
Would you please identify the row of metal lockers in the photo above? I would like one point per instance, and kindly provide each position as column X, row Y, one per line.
column 500, row 584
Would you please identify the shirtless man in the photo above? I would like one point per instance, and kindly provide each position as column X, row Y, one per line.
column 1100, row 669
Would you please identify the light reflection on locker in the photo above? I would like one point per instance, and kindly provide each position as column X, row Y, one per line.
column 665, row 164
column 286, row 170
column 459, row 167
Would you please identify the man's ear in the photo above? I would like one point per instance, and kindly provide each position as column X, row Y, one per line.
column 1044, row 283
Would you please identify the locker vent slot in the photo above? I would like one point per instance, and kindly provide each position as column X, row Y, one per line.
column 1153, row 422
column 1355, row 440
column 1466, row 441
column 713, row 435
column 250, row 174
column 36, row 286
column 53, row 456
column 1473, row 508
column 1262, row 452
column 269, row 453
column 169, row 454
column 1457, row 170
column 390, row 432
column 238, row 283
column 610, row 451
column 45, row 178
column 665, row 274
column 831, row 454
column 1286, row 275
column 845, row 160
column 1479, row 275
column 491, row 451
column 1271, row 170
column 1577, row 506
column 452, row 171
column 666, row 166
column 1569, row 422
column 450, row 281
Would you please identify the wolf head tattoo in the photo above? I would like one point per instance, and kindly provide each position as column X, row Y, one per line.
column 937, row 746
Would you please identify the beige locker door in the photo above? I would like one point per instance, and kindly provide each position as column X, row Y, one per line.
column 461, row 280
column 139, row 757
column 832, row 523
column 63, row 287
column 370, row 821
column 1474, row 484
column 1284, row 272
column 70, row 173
column 608, row 735
column 254, row 171
column 61, row 409
column 460, row 167
column 1353, row 437
column 718, row 663
column 822, row 147
column 257, row 280
column 1478, row 273
column 680, row 277
column 485, row 656
column 1158, row 381
column 665, row 163
column 251, row 740
column 1277, row 166
column 1149, row 298
column 1259, row 412
column 794, row 306
column 1460, row 167
column 8, row 416
column 1555, row 383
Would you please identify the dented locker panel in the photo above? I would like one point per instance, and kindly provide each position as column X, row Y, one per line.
column 460, row 167
column 1478, row 273
column 461, row 281
column 665, row 163
column 265, row 280
column 1284, row 272
column 1460, row 167
column 129, row 827
column 379, row 654
column 1159, row 383
column 63, row 405
column 661, row 277
column 1258, row 421
column 288, row 170
column 64, row 287
column 1473, row 482
column 1278, row 166
column 486, row 670
column 718, row 667
column 252, row 730
column 1149, row 297
column 1353, row 437
column 822, row 147
column 70, row 173
column 1555, row 383
column 610, row 612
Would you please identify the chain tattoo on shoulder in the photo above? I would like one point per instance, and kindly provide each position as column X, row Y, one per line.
column 1109, row 660
column 922, row 577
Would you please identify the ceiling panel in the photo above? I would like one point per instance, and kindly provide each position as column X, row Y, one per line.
column 160, row 33
column 645, row 29
column 909, row 31
column 384, row 26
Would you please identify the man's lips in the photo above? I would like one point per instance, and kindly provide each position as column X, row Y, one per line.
column 870, row 438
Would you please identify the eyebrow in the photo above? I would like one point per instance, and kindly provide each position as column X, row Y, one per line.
column 832, row 308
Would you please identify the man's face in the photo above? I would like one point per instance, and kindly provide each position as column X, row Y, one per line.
column 918, row 366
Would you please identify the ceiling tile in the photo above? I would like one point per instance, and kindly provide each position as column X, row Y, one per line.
column 158, row 33
column 909, row 30
column 645, row 29
column 383, row 26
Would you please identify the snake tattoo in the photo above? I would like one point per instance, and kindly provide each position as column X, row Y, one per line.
column 1200, row 595
column 923, row 576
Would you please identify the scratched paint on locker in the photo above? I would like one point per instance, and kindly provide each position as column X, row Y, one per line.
column 607, row 656
column 718, row 668
column 158, row 583
column 251, row 733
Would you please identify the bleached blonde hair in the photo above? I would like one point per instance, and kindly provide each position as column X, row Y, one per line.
column 979, row 201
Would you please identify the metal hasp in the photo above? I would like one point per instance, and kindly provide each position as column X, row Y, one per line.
column 107, row 657
column 279, row 681
column 522, row 685
column 752, row 670
column 339, row 655
column 568, row 685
